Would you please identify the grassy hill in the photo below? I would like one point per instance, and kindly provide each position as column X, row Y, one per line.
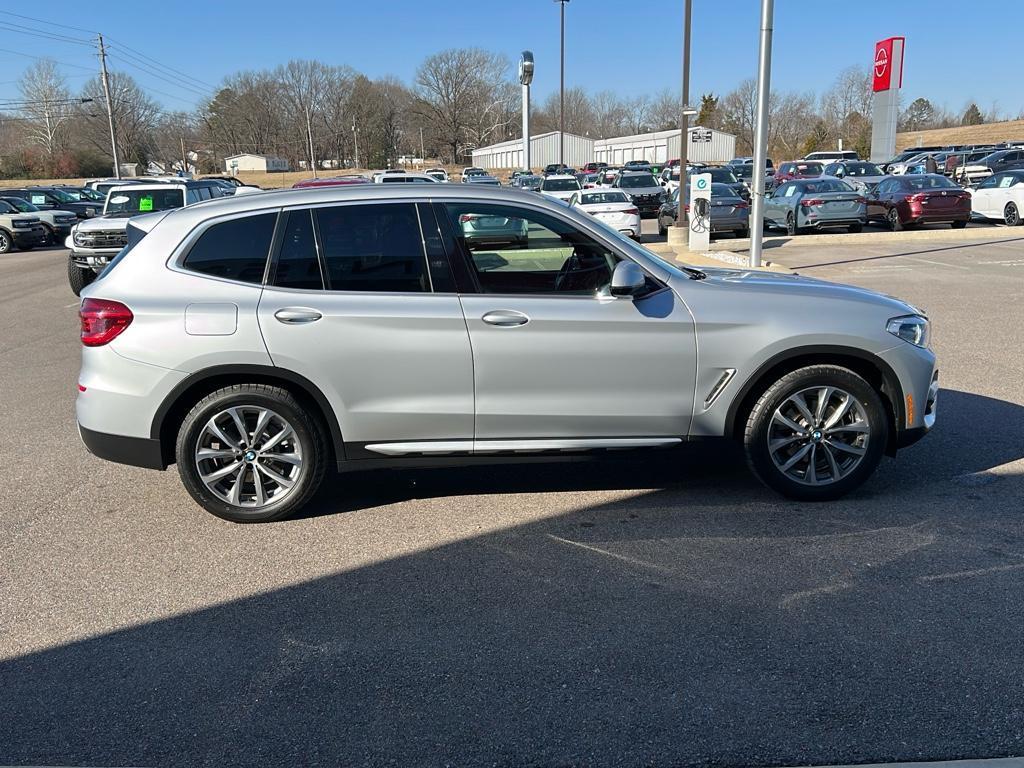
column 987, row 133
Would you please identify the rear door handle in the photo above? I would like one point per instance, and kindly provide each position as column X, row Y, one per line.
column 297, row 315
column 505, row 318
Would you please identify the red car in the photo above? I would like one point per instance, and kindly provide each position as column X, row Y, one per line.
column 333, row 181
column 797, row 169
column 919, row 198
column 594, row 167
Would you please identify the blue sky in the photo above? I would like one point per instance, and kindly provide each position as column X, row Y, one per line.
column 628, row 46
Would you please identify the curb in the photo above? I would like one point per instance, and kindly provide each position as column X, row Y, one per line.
column 868, row 238
column 998, row 762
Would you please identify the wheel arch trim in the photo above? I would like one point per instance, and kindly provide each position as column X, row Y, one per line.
column 819, row 354
column 203, row 380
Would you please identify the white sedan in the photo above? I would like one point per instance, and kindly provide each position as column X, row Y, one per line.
column 612, row 208
column 1001, row 197
column 561, row 187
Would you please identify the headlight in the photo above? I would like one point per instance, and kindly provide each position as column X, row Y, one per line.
column 911, row 328
column 21, row 223
column 79, row 239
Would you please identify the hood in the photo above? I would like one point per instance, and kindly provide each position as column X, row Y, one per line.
column 102, row 224
column 655, row 189
column 800, row 286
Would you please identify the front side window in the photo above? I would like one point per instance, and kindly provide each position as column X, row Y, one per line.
column 515, row 251
column 373, row 248
column 236, row 249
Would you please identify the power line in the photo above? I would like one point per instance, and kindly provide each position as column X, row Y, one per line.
column 149, row 71
column 51, row 23
column 23, row 30
column 46, row 58
column 139, row 56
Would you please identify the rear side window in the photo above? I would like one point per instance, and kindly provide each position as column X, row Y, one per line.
column 373, row 248
column 234, row 250
column 297, row 265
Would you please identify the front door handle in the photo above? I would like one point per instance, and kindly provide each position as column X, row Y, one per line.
column 505, row 318
column 297, row 315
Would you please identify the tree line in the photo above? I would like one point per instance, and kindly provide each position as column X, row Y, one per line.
column 459, row 99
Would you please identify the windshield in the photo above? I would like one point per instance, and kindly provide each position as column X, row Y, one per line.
column 805, row 169
column 636, row 181
column 930, row 182
column 130, row 202
column 61, row 195
column 20, row 205
column 863, row 169
column 560, row 185
column 597, row 198
column 722, row 175
column 826, row 185
column 6, row 207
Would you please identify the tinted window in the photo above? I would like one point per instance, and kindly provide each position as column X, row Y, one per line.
column 930, row 181
column 132, row 201
column 297, row 265
column 595, row 198
column 559, row 185
column 514, row 250
column 722, row 175
column 235, row 249
column 637, row 181
column 373, row 248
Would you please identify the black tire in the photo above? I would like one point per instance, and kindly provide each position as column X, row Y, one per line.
column 791, row 228
column 6, row 241
column 78, row 277
column 1011, row 216
column 51, row 238
column 742, row 233
column 959, row 224
column 309, row 435
column 662, row 230
column 759, row 424
column 855, row 228
column 895, row 222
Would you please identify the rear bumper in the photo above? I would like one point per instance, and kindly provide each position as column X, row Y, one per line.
column 136, row 451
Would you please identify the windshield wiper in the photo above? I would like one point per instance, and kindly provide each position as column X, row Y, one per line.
column 693, row 272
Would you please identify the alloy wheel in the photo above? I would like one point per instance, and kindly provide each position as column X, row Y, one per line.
column 818, row 435
column 894, row 219
column 5, row 243
column 248, row 456
column 1011, row 215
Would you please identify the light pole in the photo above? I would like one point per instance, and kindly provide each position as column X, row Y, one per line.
column 355, row 141
column 684, row 121
column 309, row 135
column 525, row 78
column 764, row 72
column 561, row 90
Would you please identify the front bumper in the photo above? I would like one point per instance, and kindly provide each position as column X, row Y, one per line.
column 95, row 259
column 918, row 379
column 30, row 236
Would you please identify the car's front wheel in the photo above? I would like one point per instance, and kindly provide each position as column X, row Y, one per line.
column 1011, row 216
column 79, row 277
column 816, row 433
column 251, row 453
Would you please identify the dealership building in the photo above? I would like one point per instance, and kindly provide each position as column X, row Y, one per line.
column 705, row 145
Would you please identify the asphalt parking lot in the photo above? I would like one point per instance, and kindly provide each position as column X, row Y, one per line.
column 639, row 612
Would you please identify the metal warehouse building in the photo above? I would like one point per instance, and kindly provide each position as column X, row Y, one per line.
column 706, row 145
column 544, row 150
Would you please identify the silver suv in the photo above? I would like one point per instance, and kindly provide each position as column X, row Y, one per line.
column 257, row 341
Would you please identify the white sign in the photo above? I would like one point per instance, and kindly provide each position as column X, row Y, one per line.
column 698, row 135
column 698, row 215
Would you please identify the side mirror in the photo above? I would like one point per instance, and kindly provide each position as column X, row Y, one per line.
column 627, row 279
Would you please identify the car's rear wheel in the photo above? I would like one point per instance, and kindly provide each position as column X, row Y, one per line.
column 78, row 277
column 1011, row 216
column 662, row 229
column 895, row 222
column 51, row 238
column 251, row 453
column 791, row 227
column 959, row 224
column 855, row 228
column 816, row 433
column 743, row 233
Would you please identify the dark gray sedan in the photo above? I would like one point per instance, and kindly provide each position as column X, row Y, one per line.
column 820, row 203
column 728, row 212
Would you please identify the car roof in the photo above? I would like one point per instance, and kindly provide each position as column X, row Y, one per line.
column 554, row 176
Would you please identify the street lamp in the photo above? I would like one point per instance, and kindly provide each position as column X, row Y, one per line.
column 764, row 71
column 525, row 78
column 561, row 90
column 684, row 120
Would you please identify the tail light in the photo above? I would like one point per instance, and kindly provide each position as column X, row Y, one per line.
column 807, row 202
column 686, row 208
column 103, row 321
column 918, row 197
column 742, row 204
column 861, row 201
column 632, row 211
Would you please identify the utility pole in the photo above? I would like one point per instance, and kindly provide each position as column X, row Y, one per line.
column 184, row 157
column 110, row 106
column 309, row 135
column 355, row 139
column 684, row 121
column 764, row 72
column 561, row 91
column 423, row 152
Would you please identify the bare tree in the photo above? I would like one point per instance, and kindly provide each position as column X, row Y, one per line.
column 135, row 115
column 454, row 88
column 665, row 111
column 47, row 108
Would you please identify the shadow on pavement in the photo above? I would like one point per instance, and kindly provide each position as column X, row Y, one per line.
column 920, row 252
column 701, row 621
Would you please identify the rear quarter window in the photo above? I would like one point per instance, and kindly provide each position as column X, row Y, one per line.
column 236, row 249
